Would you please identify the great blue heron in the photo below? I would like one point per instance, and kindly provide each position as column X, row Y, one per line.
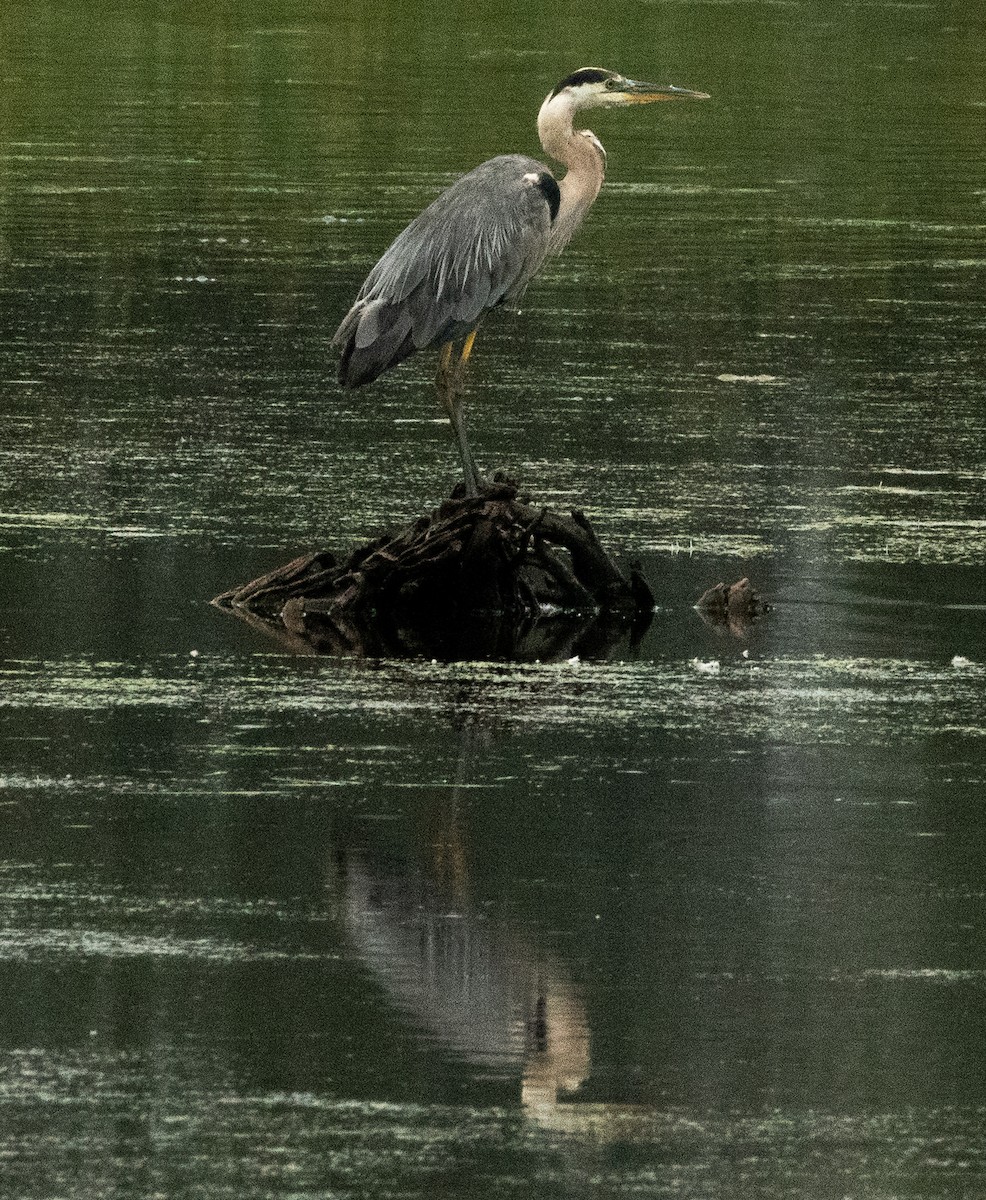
column 478, row 244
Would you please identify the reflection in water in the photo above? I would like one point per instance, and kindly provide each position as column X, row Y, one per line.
column 483, row 637
column 474, row 985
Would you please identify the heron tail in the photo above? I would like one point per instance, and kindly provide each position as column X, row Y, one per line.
column 373, row 337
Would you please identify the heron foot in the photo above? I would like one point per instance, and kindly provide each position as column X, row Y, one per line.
column 485, row 487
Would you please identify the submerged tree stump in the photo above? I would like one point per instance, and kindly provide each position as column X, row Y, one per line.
column 732, row 608
column 473, row 578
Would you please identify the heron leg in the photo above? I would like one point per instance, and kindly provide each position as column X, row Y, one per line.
column 449, row 383
column 467, row 348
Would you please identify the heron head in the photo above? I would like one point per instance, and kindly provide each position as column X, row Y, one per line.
column 594, row 87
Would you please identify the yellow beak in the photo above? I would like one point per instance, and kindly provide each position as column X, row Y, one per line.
column 648, row 93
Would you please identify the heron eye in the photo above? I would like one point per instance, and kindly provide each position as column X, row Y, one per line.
column 610, row 84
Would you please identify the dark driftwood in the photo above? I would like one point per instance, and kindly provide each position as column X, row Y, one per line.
column 733, row 599
column 494, row 576
column 732, row 607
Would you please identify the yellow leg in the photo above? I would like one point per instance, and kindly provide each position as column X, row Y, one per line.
column 467, row 349
column 449, row 384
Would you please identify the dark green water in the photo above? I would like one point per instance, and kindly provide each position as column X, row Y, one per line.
column 705, row 918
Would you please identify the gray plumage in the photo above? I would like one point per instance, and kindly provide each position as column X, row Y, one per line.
column 474, row 247
column 478, row 244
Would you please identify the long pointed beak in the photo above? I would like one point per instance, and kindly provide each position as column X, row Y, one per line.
column 647, row 93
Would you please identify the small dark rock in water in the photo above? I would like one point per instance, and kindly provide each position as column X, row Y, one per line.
column 734, row 606
column 491, row 576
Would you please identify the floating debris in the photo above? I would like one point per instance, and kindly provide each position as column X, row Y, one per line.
column 728, row 378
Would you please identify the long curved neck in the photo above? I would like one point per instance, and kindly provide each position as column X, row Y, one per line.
column 581, row 152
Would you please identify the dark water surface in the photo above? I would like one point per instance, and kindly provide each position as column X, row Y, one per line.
column 704, row 917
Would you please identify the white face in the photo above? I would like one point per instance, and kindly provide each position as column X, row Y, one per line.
column 602, row 94
column 594, row 87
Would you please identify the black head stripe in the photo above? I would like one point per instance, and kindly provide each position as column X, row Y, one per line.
column 548, row 186
column 586, row 75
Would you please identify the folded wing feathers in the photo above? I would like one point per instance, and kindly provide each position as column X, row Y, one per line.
column 475, row 247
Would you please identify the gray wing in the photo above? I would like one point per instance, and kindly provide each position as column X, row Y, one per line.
column 476, row 246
